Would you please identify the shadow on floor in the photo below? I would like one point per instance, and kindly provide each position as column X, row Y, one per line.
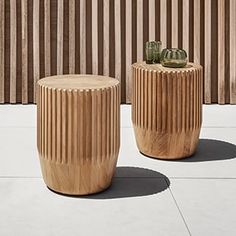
column 131, row 182
column 212, row 150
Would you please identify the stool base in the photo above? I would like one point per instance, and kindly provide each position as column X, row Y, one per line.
column 166, row 146
column 83, row 179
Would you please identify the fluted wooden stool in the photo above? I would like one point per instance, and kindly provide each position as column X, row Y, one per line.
column 167, row 109
column 78, row 124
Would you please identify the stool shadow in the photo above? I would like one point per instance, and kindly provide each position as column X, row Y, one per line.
column 130, row 182
column 212, row 150
column 133, row 182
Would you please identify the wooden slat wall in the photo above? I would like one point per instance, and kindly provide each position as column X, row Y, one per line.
column 39, row 38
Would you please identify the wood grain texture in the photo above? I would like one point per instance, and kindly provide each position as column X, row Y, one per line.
column 48, row 37
column 174, row 23
column 167, row 109
column 78, row 132
column 72, row 36
column 83, row 36
column 221, row 51
column 2, row 50
column 95, row 37
column 60, row 34
column 118, row 39
column 232, row 52
column 140, row 43
column 163, row 22
column 24, row 51
column 186, row 26
column 36, row 48
column 152, row 20
column 207, row 55
column 106, row 37
column 128, row 58
column 13, row 48
column 196, row 32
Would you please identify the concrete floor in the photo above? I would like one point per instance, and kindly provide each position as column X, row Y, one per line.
column 195, row 196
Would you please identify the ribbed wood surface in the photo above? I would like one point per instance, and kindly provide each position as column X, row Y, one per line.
column 78, row 134
column 39, row 38
column 167, row 109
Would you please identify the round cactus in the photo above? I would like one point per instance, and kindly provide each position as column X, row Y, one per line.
column 173, row 57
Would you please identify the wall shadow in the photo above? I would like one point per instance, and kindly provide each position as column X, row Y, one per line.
column 212, row 150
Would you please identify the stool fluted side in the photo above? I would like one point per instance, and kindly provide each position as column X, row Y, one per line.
column 78, row 136
column 167, row 109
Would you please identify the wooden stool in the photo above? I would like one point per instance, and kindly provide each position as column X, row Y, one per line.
column 78, row 125
column 167, row 109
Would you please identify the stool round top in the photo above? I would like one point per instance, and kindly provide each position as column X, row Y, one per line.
column 81, row 82
column 159, row 68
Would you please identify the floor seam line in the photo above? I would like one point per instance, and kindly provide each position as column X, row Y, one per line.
column 37, row 177
column 205, row 127
column 202, row 178
column 139, row 177
column 181, row 214
column 20, row 177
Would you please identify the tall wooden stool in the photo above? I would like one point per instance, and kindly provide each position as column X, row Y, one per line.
column 167, row 109
column 78, row 126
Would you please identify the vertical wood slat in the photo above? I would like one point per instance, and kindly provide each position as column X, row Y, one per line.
column 60, row 16
column 47, row 37
column 117, row 40
column 2, row 50
column 95, row 37
column 186, row 26
column 24, row 14
column 106, row 37
column 232, row 52
column 174, row 24
column 152, row 21
column 83, row 36
column 207, row 56
column 72, row 36
column 128, row 35
column 163, row 22
column 36, row 61
column 13, row 32
column 196, row 32
column 221, row 52
column 139, row 30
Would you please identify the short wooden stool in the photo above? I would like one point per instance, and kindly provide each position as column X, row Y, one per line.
column 78, row 126
column 167, row 109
